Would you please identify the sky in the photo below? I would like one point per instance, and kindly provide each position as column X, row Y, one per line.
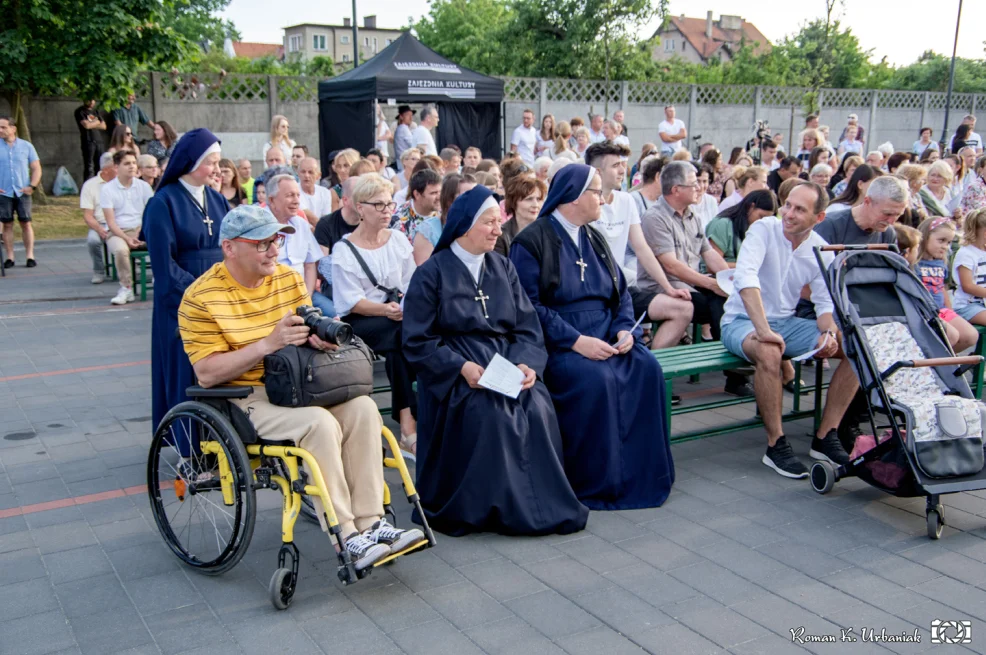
column 899, row 30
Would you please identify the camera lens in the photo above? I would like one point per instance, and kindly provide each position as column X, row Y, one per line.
column 334, row 331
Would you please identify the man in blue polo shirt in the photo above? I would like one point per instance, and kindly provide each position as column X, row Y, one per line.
column 20, row 175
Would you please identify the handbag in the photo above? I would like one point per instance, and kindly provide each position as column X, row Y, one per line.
column 392, row 295
column 301, row 376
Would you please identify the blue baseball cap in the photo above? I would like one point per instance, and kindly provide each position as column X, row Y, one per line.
column 251, row 222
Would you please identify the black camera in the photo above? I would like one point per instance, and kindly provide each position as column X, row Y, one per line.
column 324, row 327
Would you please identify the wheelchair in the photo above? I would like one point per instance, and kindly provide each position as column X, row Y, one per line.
column 204, row 503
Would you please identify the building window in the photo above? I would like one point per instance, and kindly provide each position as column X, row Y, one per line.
column 345, row 58
column 294, row 43
column 374, row 44
column 669, row 45
column 683, row 46
column 344, row 39
column 366, row 41
column 318, row 42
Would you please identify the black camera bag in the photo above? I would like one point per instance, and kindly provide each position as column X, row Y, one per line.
column 301, row 376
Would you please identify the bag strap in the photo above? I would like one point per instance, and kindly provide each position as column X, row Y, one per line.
column 366, row 269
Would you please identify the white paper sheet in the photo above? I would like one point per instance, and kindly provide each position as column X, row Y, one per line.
column 724, row 279
column 502, row 377
column 630, row 333
column 812, row 353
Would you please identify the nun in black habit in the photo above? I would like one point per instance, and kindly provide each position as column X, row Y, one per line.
column 485, row 462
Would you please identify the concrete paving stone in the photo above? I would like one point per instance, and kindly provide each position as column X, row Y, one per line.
column 868, row 618
column 767, row 645
column 612, row 527
column 12, row 541
column 743, row 530
column 112, row 631
column 716, row 494
column 66, row 536
column 346, row 631
column 143, row 561
column 77, row 564
column 552, row 614
column 464, row 605
column 65, row 453
column 392, row 607
column 678, row 639
column 49, row 517
column 425, row 571
column 278, row 633
column 520, row 550
column 5, row 487
column 509, row 636
column 21, row 565
column 659, row 552
column 93, row 486
column 235, row 596
column 742, row 560
column 20, row 636
column 816, row 534
column 162, row 592
column 890, row 567
column 434, row 638
column 464, row 551
column 717, row 583
column 127, row 533
column 622, row 611
column 42, row 491
column 31, row 472
column 599, row 640
column 806, row 559
column 177, row 630
column 723, row 626
column 502, row 579
column 316, row 598
column 33, row 452
column 8, row 501
column 683, row 532
column 780, row 616
column 598, row 554
column 864, row 585
column 652, row 585
column 567, row 576
column 948, row 562
column 82, row 598
column 110, row 511
column 953, row 593
column 27, row 598
column 78, row 470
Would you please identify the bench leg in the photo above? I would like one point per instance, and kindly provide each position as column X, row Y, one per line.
column 667, row 407
column 143, row 279
column 696, row 338
column 818, row 396
column 797, row 387
column 977, row 372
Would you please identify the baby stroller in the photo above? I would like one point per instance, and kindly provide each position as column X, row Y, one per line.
column 909, row 374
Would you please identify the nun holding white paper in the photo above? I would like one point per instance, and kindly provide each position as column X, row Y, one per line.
column 485, row 462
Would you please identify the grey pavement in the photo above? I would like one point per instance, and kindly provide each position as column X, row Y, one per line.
column 733, row 562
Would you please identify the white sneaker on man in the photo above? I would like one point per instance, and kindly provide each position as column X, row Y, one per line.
column 123, row 296
column 98, row 278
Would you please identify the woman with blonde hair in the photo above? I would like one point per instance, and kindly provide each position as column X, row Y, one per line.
column 545, row 136
column 279, row 137
column 936, row 193
column 915, row 175
column 342, row 166
column 810, row 139
column 561, row 147
column 974, row 195
column 581, row 141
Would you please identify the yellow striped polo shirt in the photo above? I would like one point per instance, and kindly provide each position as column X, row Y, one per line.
column 219, row 315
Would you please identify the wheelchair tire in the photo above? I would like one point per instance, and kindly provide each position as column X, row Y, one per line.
column 281, row 588
column 185, row 493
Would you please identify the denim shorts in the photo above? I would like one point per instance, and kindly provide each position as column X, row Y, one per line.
column 20, row 204
column 800, row 335
column 970, row 311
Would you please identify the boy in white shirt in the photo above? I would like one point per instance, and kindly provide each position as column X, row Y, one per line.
column 123, row 200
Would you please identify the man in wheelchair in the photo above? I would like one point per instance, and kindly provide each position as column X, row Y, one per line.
column 242, row 309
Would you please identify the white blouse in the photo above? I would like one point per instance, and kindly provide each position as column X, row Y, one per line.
column 286, row 148
column 392, row 264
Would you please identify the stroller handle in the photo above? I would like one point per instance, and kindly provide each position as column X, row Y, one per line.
column 946, row 361
column 861, row 246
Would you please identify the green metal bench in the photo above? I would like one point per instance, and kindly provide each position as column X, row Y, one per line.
column 977, row 373
column 698, row 358
column 144, row 258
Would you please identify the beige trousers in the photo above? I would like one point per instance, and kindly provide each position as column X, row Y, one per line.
column 120, row 252
column 345, row 442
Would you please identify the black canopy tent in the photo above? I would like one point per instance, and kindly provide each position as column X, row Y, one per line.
column 408, row 72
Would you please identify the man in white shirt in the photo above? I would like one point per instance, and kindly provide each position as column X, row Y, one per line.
column 525, row 138
column 300, row 251
column 92, row 214
column 618, row 116
column 610, row 133
column 596, row 129
column 422, row 135
column 123, row 201
column 970, row 120
column 759, row 324
column 768, row 156
column 619, row 222
column 672, row 132
column 314, row 197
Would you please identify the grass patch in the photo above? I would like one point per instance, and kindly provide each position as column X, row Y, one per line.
column 61, row 218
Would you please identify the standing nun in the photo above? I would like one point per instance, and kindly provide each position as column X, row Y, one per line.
column 608, row 389
column 486, row 462
column 181, row 227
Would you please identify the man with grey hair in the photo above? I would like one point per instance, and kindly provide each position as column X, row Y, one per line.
column 92, row 214
column 871, row 222
column 674, row 233
column 422, row 135
column 853, row 120
column 314, row 197
column 596, row 129
column 822, row 174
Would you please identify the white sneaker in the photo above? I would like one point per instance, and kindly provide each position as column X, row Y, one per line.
column 130, row 296
column 123, row 296
column 98, row 278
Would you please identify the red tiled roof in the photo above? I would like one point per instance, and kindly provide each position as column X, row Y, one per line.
column 257, row 50
column 693, row 29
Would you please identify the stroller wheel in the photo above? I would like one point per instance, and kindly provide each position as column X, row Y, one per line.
column 936, row 521
column 822, row 477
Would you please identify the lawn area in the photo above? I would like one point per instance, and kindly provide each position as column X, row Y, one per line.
column 61, row 218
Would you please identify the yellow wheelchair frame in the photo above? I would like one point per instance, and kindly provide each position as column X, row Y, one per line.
column 225, row 423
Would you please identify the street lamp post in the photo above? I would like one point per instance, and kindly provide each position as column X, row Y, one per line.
column 951, row 79
column 356, row 38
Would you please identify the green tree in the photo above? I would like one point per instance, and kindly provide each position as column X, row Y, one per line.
column 196, row 20
column 473, row 33
column 930, row 73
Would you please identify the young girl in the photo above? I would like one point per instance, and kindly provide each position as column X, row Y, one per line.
column 926, row 250
column 968, row 267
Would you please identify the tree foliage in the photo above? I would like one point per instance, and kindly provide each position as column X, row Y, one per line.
column 196, row 20
column 216, row 60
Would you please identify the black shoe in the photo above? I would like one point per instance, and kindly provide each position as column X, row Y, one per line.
column 31, row 263
column 676, row 400
column 9, row 263
column 789, row 386
column 739, row 386
column 782, row 459
column 829, row 449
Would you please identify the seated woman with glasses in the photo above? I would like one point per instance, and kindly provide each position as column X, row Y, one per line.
column 371, row 268
column 122, row 138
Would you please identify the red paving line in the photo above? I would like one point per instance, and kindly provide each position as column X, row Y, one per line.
column 84, row 369
column 69, row 502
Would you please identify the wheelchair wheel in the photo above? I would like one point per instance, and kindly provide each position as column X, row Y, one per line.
column 207, row 528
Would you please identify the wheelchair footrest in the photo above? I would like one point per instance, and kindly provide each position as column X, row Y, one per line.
column 421, row 544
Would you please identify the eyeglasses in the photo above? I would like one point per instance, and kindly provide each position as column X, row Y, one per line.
column 388, row 207
column 598, row 192
column 688, row 186
column 264, row 246
column 129, row 133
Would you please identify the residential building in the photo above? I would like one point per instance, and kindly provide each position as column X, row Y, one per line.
column 309, row 40
column 697, row 41
column 258, row 50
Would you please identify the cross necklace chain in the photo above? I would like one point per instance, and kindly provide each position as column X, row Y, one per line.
column 482, row 297
column 202, row 208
